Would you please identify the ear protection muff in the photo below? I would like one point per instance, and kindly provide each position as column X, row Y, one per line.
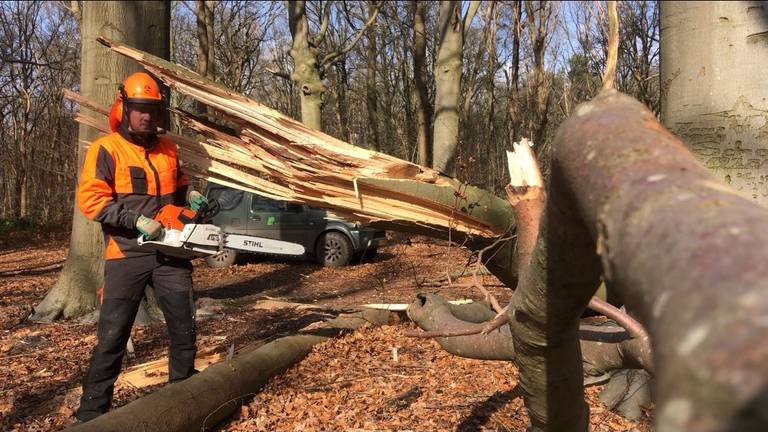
column 116, row 114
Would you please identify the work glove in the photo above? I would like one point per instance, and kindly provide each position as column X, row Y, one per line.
column 150, row 228
column 196, row 200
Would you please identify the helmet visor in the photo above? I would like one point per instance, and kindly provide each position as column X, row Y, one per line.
column 143, row 116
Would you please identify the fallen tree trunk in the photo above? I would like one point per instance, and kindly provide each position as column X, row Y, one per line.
column 208, row 397
column 604, row 349
column 624, row 187
column 265, row 151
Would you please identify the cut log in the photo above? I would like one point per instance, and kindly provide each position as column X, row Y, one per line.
column 207, row 398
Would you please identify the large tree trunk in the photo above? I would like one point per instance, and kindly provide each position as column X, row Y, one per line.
column 423, row 105
column 305, row 68
column 716, row 98
column 451, row 28
column 624, row 188
column 144, row 24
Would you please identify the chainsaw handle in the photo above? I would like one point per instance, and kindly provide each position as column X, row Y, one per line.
column 207, row 211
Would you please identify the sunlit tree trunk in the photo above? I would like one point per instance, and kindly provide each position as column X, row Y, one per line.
column 342, row 108
column 716, row 98
column 206, row 64
column 306, row 72
column 423, row 105
column 514, row 75
column 448, row 86
column 538, row 15
column 371, row 93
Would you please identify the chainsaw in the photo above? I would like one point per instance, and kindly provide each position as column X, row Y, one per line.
column 187, row 234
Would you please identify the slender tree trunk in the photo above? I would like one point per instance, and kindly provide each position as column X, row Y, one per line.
column 492, row 152
column 206, row 64
column 712, row 98
column 512, row 107
column 305, row 68
column 540, row 89
column 448, row 86
column 342, row 111
column 423, row 104
column 408, row 90
column 371, row 94
column 143, row 24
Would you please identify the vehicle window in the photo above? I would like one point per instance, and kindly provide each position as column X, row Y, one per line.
column 293, row 208
column 228, row 198
column 262, row 204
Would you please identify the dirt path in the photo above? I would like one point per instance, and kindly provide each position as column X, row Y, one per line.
column 349, row 383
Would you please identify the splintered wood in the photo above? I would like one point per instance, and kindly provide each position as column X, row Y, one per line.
column 256, row 148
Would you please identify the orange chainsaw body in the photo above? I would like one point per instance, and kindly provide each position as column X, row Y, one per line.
column 175, row 217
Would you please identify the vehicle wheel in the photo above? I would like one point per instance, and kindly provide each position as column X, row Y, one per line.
column 333, row 249
column 224, row 259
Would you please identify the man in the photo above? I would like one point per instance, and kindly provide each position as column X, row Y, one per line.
column 127, row 177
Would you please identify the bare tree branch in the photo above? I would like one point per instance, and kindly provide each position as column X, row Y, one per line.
column 330, row 57
column 474, row 5
column 318, row 39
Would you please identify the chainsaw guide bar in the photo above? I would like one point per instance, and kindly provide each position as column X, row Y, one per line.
column 200, row 240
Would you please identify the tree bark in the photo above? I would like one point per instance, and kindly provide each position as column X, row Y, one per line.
column 604, row 349
column 512, row 108
column 539, row 88
column 342, row 108
column 628, row 189
column 712, row 98
column 203, row 400
column 423, row 106
column 451, row 27
column 144, row 24
column 306, row 72
column 371, row 93
column 206, row 60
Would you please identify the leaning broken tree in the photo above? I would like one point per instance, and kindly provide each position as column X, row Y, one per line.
column 621, row 189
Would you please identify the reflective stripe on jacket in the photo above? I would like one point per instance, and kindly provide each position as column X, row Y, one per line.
column 121, row 180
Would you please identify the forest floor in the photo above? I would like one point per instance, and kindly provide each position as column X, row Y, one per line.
column 349, row 383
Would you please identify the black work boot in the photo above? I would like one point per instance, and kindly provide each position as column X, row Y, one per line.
column 115, row 321
column 178, row 309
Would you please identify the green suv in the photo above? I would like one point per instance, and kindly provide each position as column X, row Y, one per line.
column 330, row 239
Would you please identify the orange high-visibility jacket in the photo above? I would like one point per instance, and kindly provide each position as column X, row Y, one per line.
column 121, row 180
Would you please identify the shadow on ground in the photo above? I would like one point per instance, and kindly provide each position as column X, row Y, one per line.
column 483, row 411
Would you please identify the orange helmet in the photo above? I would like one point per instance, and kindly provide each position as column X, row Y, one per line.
column 140, row 88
